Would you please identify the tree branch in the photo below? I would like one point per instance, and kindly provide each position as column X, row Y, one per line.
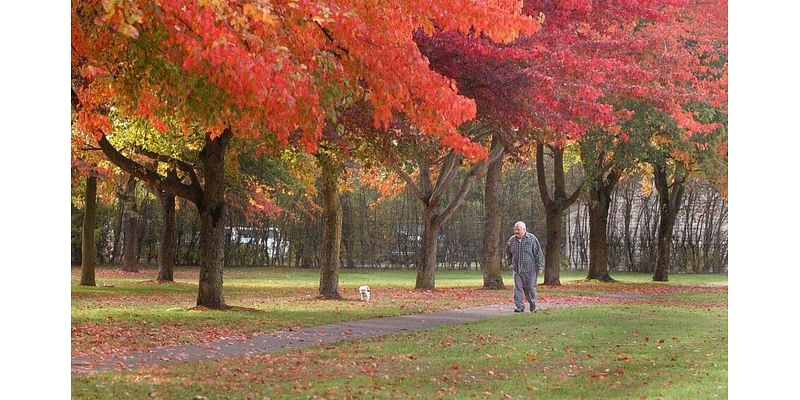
column 540, row 176
column 424, row 178
column 558, row 172
column 574, row 196
column 183, row 165
column 161, row 182
column 466, row 184
column 410, row 182
column 329, row 36
column 611, row 180
column 446, row 175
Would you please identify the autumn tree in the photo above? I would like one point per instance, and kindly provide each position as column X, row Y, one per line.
column 253, row 70
column 427, row 169
column 555, row 205
column 661, row 54
column 508, row 89
column 675, row 156
column 551, row 87
column 89, row 172
column 434, row 175
column 684, row 55
column 603, row 166
column 690, row 138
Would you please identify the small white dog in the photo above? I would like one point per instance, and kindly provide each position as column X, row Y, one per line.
column 364, row 290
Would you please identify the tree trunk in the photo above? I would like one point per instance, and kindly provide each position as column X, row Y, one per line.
column 142, row 226
column 115, row 250
column 668, row 203
column 213, row 215
column 426, row 259
column 491, row 255
column 599, row 205
column 166, row 251
column 627, row 220
column 431, row 195
column 554, row 208
column 209, row 200
column 307, row 254
column 598, row 257
column 129, row 246
column 554, row 221
column 348, row 232
column 331, row 229
column 88, row 248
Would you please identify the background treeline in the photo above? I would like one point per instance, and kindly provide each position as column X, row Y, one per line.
column 384, row 232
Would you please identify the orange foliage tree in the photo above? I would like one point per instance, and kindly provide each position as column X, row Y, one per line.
column 275, row 72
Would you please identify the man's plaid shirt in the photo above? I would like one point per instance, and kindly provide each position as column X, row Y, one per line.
column 523, row 254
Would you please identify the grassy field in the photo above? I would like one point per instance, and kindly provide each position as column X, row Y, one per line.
column 653, row 350
column 349, row 278
column 130, row 312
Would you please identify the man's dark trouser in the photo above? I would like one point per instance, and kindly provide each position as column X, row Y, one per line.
column 525, row 283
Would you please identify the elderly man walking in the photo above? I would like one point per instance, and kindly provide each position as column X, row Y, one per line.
column 524, row 254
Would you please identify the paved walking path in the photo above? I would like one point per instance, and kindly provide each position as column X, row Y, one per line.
column 289, row 339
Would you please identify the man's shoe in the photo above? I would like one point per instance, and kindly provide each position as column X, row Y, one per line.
column 518, row 310
column 533, row 308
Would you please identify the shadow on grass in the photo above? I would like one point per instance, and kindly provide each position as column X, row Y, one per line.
column 228, row 308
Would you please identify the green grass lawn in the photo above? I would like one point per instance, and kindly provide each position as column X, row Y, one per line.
column 130, row 312
column 672, row 351
column 352, row 278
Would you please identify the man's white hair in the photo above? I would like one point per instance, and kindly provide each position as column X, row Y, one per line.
column 522, row 224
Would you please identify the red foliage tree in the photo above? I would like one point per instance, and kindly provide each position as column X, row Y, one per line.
column 569, row 77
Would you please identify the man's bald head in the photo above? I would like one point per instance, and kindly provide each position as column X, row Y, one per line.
column 520, row 229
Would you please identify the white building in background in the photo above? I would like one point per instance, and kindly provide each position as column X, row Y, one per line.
column 257, row 236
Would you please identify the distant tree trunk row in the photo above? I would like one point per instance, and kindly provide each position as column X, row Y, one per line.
column 388, row 233
column 699, row 242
